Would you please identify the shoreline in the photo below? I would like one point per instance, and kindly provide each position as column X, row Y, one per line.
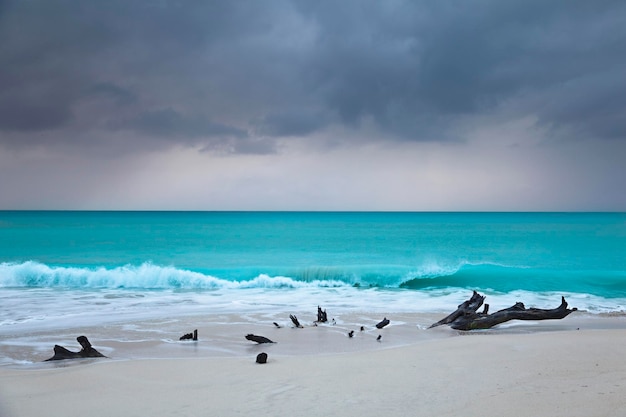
column 563, row 372
column 224, row 335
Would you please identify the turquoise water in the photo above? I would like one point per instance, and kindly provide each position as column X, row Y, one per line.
column 130, row 278
column 504, row 252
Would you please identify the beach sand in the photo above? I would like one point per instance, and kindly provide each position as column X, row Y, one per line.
column 565, row 368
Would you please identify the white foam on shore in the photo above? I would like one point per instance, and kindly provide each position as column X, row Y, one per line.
column 27, row 310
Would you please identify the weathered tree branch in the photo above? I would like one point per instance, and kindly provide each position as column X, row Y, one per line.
column 258, row 339
column 295, row 321
column 466, row 318
column 472, row 305
column 383, row 323
column 190, row 336
column 87, row 351
column 322, row 317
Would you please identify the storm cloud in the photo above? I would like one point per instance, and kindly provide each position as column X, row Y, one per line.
column 256, row 78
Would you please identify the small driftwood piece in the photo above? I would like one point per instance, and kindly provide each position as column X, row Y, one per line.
column 87, row 351
column 466, row 316
column 258, row 339
column 322, row 317
column 190, row 336
column 295, row 321
column 383, row 323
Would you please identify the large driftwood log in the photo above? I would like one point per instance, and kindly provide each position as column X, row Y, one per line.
column 466, row 316
column 87, row 351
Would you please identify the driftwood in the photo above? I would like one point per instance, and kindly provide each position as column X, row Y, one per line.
column 258, row 339
column 295, row 321
column 322, row 317
column 383, row 323
column 190, row 336
column 472, row 304
column 466, row 316
column 87, row 351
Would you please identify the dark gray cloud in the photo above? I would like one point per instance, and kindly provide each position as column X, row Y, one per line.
column 299, row 122
column 106, row 90
column 16, row 114
column 427, row 63
column 170, row 123
column 235, row 76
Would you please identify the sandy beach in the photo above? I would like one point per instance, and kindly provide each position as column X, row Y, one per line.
column 559, row 368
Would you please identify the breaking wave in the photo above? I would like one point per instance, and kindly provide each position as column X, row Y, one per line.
column 32, row 274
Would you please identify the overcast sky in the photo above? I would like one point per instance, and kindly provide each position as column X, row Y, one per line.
column 313, row 105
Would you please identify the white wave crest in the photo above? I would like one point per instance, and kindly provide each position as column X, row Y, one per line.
column 145, row 276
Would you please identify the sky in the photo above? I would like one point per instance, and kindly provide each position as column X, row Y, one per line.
column 483, row 105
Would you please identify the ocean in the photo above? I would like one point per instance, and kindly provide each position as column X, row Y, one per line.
column 64, row 271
